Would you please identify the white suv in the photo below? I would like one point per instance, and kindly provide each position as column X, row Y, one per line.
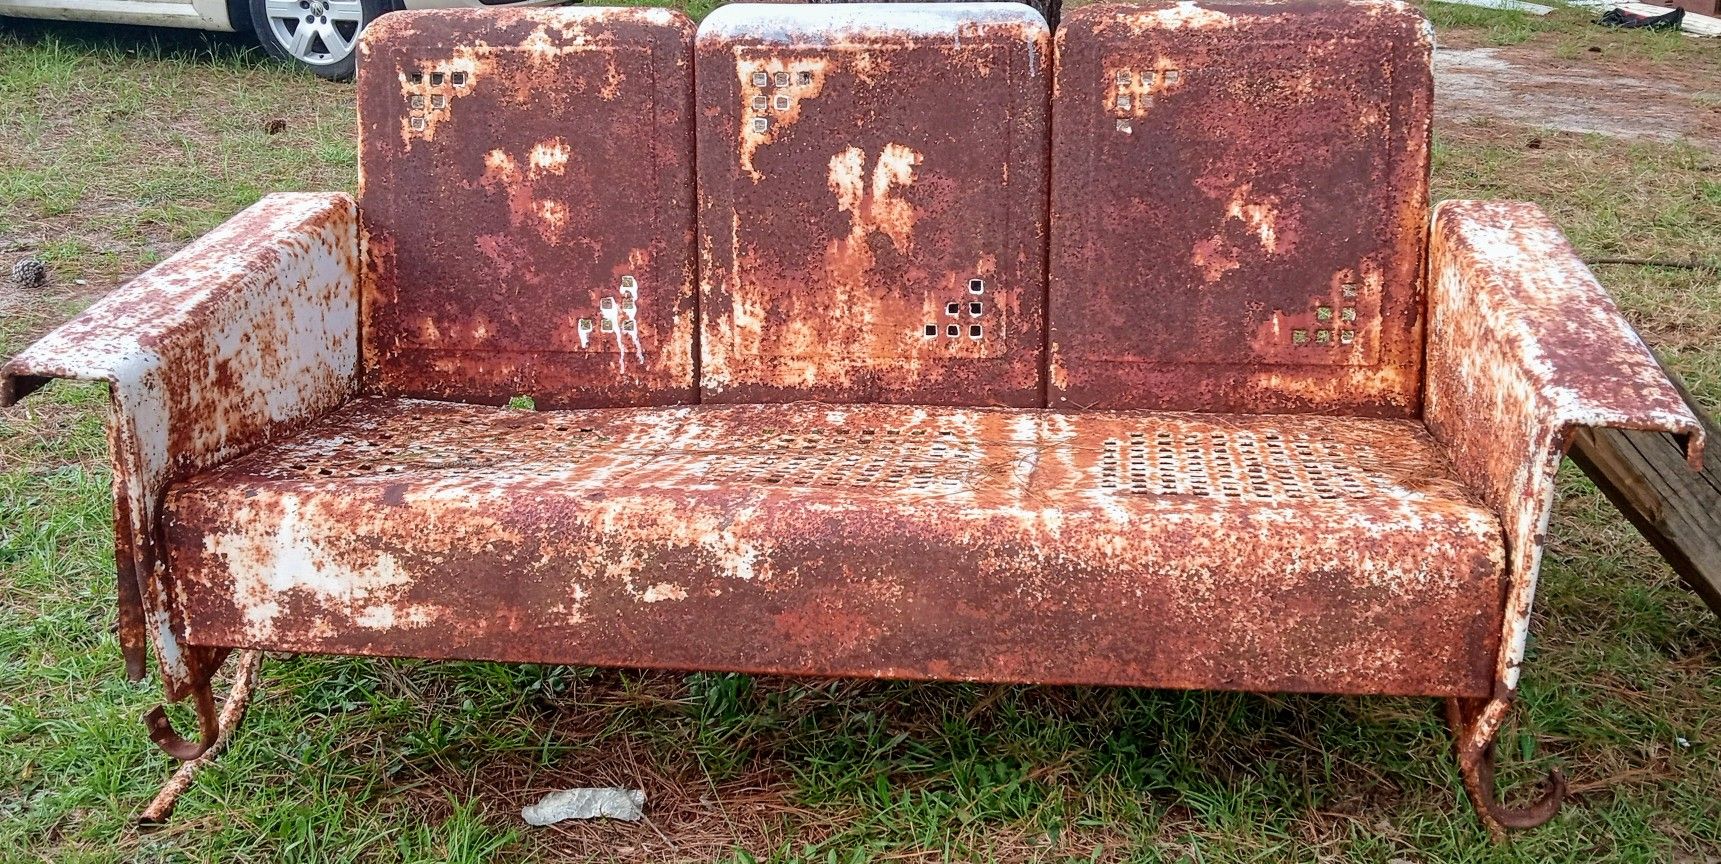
column 321, row 35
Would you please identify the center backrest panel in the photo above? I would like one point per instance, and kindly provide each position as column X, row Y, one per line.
column 526, row 193
column 1240, row 207
column 872, row 213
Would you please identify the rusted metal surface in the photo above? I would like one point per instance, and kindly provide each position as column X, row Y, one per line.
column 240, row 337
column 1524, row 348
column 1239, row 201
column 232, row 712
column 872, row 203
column 1475, row 724
column 1165, row 550
column 1237, row 227
column 527, row 202
column 1048, row 9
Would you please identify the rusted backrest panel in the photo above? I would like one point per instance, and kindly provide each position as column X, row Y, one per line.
column 873, row 203
column 526, row 187
column 1239, row 198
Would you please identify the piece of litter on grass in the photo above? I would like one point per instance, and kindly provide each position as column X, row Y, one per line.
column 588, row 803
column 1692, row 24
column 1682, row 741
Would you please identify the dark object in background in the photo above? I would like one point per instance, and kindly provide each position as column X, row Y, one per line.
column 29, row 274
column 1700, row 7
column 1634, row 21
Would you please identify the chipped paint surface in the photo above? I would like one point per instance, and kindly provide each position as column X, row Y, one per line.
column 240, row 337
column 1237, row 228
column 538, row 239
column 1525, row 346
column 616, row 536
column 872, row 217
column 1238, row 207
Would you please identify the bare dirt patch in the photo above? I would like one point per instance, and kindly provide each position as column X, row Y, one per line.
column 1531, row 87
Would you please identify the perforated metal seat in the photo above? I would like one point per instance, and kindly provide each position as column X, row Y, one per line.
column 990, row 544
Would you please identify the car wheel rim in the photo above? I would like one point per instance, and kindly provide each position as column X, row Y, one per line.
column 318, row 32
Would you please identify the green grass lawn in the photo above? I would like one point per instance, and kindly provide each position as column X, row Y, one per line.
column 118, row 146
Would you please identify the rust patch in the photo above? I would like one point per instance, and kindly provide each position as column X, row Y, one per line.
column 240, row 337
column 618, row 536
column 872, row 203
column 1238, row 216
column 1524, row 346
column 536, row 237
column 1238, row 209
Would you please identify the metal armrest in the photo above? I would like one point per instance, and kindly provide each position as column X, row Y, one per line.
column 1524, row 347
column 249, row 331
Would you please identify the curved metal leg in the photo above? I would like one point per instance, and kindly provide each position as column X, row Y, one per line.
column 232, row 711
column 161, row 729
column 1475, row 723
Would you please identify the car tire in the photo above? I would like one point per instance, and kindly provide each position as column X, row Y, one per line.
column 319, row 35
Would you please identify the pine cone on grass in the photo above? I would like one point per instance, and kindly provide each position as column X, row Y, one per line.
column 29, row 274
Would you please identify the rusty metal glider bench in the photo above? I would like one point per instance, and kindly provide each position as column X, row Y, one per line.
column 1133, row 357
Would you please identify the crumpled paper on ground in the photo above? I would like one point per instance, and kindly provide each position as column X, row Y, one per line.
column 586, row 803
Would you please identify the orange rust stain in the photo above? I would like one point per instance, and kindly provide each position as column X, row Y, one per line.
column 1215, row 257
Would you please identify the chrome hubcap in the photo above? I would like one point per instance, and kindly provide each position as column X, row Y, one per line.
column 318, row 32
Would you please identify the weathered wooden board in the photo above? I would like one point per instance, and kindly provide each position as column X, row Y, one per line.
column 1679, row 510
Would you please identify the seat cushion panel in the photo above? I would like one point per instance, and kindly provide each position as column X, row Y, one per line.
column 1283, row 553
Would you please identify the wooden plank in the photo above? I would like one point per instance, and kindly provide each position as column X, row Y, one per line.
column 1678, row 510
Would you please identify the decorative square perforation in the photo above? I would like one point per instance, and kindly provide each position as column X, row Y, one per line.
column 1131, row 93
column 1176, row 459
column 778, row 92
column 1332, row 325
column 973, row 307
column 431, row 92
